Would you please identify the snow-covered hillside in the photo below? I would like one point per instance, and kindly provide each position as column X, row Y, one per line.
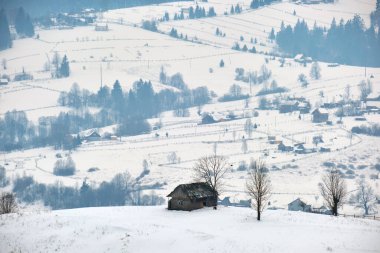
column 155, row 229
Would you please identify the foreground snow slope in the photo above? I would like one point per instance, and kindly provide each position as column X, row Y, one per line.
column 155, row 229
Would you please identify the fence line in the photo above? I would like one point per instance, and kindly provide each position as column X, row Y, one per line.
column 368, row 217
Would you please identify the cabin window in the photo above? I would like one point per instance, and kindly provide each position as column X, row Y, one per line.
column 180, row 202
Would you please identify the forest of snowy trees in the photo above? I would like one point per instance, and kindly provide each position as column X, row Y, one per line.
column 128, row 109
column 23, row 25
column 344, row 42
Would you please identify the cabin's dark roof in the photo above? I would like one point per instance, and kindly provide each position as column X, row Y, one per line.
column 298, row 201
column 320, row 111
column 194, row 190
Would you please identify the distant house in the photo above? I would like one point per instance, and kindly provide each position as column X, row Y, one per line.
column 372, row 107
column 285, row 148
column 299, row 205
column 193, row 196
column 288, row 106
column 324, row 149
column 207, row 119
column 242, row 203
column 320, row 115
column 302, row 59
column 330, row 105
column 301, row 148
column 90, row 135
column 304, row 107
column 322, row 210
column 3, row 81
column 272, row 140
column 101, row 27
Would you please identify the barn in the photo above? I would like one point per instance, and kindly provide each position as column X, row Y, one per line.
column 193, row 196
column 288, row 106
column 90, row 135
column 320, row 115
column 299, row 205
column 3, row 81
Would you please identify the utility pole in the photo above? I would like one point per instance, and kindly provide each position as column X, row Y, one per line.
column 250, row 83
column 101, row 76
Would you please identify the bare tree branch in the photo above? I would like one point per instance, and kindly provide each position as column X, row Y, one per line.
column 211, row 169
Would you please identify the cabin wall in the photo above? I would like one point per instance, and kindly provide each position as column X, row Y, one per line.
column 184, row 204
column 318, row 118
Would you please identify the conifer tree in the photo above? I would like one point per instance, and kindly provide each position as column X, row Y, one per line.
column 5, row 35
column 64, row 70
column 23, row 23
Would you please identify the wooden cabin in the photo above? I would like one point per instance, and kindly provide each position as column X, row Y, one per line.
column 320, row 115
column 193, row 196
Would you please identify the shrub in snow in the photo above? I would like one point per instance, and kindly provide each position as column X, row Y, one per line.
column 328, row 164
column 7, row 203
column 315, row 71
column 242, row 166
column 92, row 169
column 173, row 158
column 21, row 183
column 150, row 25
column 64, row 167
column 221, row 63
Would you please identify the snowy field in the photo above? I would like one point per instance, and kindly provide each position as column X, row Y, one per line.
column 112, row 157
column 128, row 53
column 155, row 229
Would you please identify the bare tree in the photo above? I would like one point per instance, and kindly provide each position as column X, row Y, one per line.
column 365, row 197
column 333, row 190
column 4, row 63
column 347, row 94
column 248, row 127
column 7, row 203
column 244, row 146
column 315, row 71
column 211, row 169
column 258, row 186
column 365, row 89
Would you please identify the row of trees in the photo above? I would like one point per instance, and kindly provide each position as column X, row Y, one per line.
column 20, row 133
column 128, row 109
column 236, row 9
column 347, row 42
column 123, row 189
column 257, row 3
column 5, row 34
column 23, row 23
column 40, row 8
column 212, row 170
